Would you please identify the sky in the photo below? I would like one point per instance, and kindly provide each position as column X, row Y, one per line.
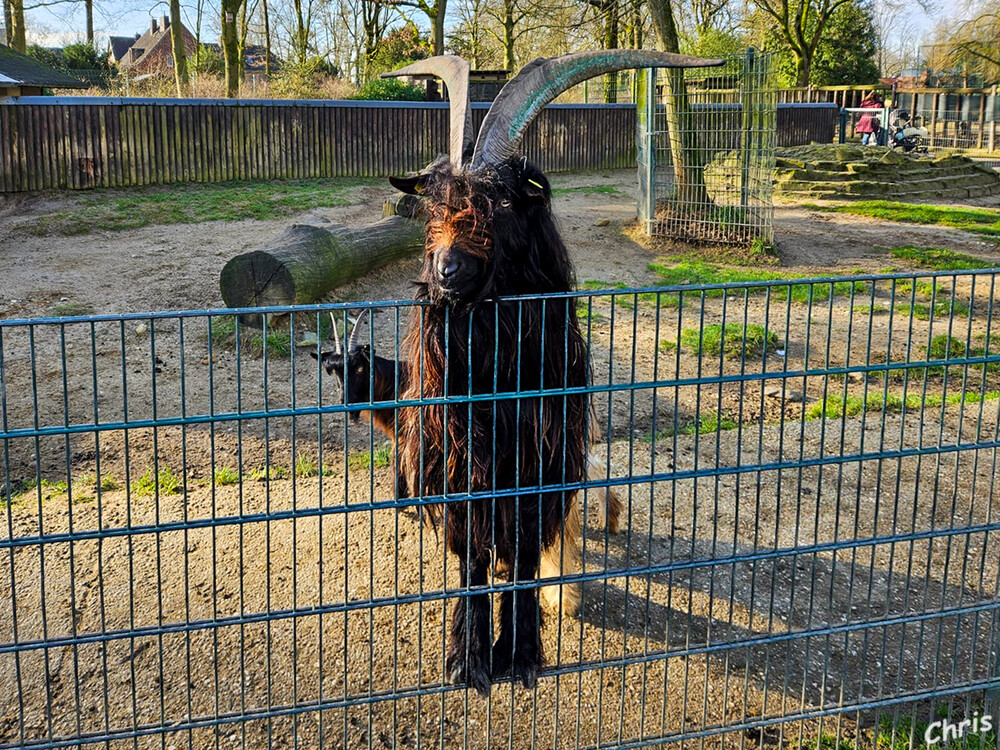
column 59, row 24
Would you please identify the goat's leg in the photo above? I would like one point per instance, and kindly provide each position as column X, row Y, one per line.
column 518, row 650
column 560, row 557
column 468, row 660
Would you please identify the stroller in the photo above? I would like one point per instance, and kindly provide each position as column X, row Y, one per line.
column 907, row 133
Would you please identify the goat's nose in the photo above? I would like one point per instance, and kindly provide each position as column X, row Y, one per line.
column 447, row 267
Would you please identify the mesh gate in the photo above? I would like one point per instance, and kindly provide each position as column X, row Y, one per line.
column 199, row 548
column 706, row 140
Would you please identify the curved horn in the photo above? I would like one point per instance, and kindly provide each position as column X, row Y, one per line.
column 454, row 71
column 352, row 343
column 542, row 80
column 336, row 336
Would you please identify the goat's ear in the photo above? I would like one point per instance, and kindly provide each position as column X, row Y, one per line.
column 312, row 353
column 535, row 186
column 412, row 184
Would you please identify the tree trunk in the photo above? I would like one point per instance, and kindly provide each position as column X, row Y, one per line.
column 231, row 46
column 802, row 66
column 89, row 9
column 611, row 42
column 180, row 54
column 267, row 40
column 508, row 35
column 682, row 131
column 437, row 26
column 306, row 261
column 14, row 23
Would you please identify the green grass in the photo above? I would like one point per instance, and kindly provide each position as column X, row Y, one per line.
column 942, row 308
column 979, row 220
column 165, row 480
column 734, row 340
column 708, row 423
column 272, row 473
column 278, row 340
column 626, row 301
column 113, row 210
column 225, row 475
column 835, row 406
column 366, row 460
column 871, row 309
column 673, row 273
column 939, row 258
column 305, row 467
column 69, row 309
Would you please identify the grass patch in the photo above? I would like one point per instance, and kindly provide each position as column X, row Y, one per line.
column 735, row 341
column 673, row 273
column 114, row 210
column 305, row 467
column 71, row 309
column 978, row 220
column 939, row 258
column 270, row 473
column 367, row 460
column 627, row 301
column 942, row 308
column 164, row 480
column 225, row 475
column 835, row 406
column 252, row 341
column 871, row 310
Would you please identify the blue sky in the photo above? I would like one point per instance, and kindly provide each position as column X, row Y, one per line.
column 60, row 24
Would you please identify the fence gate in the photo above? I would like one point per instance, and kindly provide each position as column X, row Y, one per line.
column 706, row 140
column 199, row 549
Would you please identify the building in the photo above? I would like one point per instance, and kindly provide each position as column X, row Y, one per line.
column 151, row 52
column 21, row 75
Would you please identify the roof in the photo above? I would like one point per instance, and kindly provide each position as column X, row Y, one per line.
column 157, row 35
column 120, row 46
column 20, row 70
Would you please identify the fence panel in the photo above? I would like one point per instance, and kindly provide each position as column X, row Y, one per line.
column 200, row 549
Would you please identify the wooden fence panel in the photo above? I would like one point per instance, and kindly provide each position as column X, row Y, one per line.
column 78, row 143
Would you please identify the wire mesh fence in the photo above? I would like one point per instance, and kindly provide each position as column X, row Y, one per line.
column 201, row 548
column 706, row 151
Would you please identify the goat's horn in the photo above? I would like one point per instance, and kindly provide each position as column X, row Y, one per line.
column 336, row 336
column 542, row 80
column 352, row 343
column 454, row 71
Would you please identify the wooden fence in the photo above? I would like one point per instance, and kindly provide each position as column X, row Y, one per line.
column 77, row 143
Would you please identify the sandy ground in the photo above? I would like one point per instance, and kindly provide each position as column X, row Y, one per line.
column 766, row 591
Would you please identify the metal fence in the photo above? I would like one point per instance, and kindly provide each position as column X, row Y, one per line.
column 706, row 152
column 199, row 549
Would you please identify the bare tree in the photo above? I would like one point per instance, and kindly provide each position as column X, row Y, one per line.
column 435, row 14
column 180, row 54
column 230, row 19
column 13, row 16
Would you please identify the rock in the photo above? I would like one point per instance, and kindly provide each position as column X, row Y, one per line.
column 309, row 338
column 602, row 222
column 141, row 329
column 773, row 391
column 793, row 397
column 856, row 377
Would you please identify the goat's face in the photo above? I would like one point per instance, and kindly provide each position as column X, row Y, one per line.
column 353, row 370
column 467, row 210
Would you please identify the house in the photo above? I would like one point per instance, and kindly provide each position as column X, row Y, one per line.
column 152, row 52
column 21, row 75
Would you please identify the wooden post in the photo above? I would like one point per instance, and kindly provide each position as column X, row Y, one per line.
column 982, row 119
column 993, row 117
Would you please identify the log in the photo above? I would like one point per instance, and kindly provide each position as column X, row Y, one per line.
column 306, row 261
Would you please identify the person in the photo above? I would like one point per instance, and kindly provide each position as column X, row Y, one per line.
column 870, row 125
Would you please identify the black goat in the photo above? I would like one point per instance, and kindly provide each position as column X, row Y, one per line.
column 491, row 238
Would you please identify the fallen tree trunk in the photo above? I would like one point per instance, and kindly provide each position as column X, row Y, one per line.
column 306, row 261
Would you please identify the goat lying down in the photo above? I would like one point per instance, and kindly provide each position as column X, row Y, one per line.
column 485, row 327
column 374, row 379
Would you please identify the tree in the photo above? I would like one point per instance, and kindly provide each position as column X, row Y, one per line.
column 180, row 54
column 974, row 42
column 435, row 14
column 230, row 13
column 13, row 16
column 801, row 24
column 399, row 47
column 682, row 134
column 847, row 53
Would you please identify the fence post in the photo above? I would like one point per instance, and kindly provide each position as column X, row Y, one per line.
column 842, row 137
column 747, row 112
column 645, row 111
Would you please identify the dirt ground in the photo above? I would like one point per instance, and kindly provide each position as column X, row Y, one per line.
column 745, row 587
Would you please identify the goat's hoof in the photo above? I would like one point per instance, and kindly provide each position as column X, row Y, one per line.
column 472, row 673
column 525, row 671
column 502, row 659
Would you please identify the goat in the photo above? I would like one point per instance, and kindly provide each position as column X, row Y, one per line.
column 490, row 240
